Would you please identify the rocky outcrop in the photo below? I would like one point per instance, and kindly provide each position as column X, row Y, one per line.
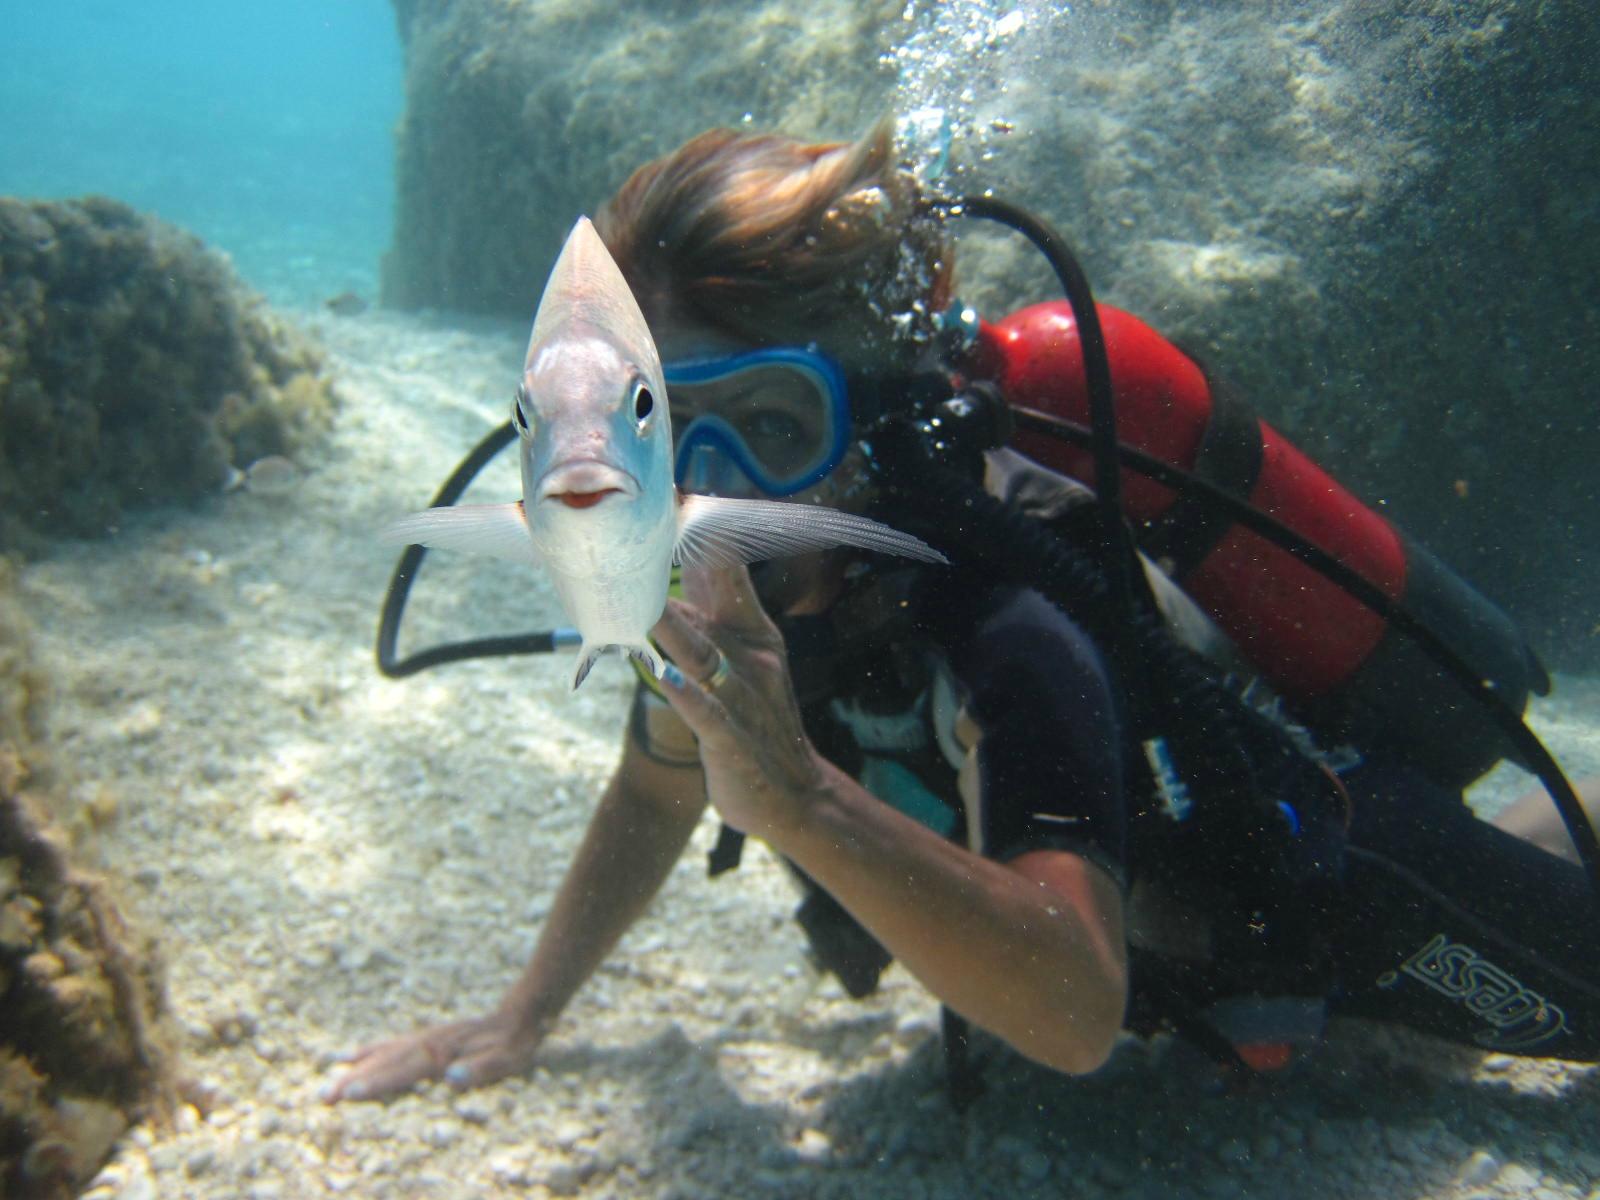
column 135, row 370
column 83, row 1047
column 520, row 117
column 1378, row 222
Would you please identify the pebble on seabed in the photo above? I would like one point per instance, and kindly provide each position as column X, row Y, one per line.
column 1517, row 1179
column 813, row 1146
column 1479, row 1169
column 128, row 1178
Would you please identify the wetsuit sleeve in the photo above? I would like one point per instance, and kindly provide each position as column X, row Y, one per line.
column 1049, row 762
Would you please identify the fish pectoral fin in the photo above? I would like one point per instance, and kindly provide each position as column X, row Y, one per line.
column 715, row 531
column 498, row 530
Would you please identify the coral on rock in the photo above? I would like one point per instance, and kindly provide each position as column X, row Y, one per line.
column 82, row 1048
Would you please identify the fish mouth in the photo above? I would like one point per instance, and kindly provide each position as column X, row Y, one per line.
column 585, row 483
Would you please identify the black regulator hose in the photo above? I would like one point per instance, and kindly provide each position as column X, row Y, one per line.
column 1129, row 592
column 405, row 573
column 1204, row 722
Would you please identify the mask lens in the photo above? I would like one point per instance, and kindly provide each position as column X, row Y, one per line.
column 781, row 414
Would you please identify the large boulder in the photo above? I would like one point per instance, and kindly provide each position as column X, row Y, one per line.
column 135, row 369
column 521, row 116
column 1379, row 223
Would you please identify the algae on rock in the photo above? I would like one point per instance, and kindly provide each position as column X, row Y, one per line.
column 135, row 370
column 84, row 1049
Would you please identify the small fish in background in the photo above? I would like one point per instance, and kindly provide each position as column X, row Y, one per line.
column 273, row 475
column 346, row 304
column 599, row 507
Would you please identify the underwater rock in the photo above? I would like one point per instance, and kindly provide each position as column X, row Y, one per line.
column 521, row 115
column 83, row 1049
column 134, row 370
column 22, row 690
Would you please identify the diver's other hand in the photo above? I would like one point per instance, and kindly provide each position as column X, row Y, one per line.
column 761, row 770
column 466, row 1054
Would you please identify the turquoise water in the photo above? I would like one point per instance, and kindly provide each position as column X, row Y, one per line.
column 217, row 681
column 266, row 128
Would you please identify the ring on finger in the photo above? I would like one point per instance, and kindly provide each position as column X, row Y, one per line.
column 719, row 674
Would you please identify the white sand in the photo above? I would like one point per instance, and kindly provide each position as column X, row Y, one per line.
column 329, row 857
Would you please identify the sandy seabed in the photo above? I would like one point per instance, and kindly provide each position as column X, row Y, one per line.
column 328, row 856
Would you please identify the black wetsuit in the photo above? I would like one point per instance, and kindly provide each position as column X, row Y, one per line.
column 1441, row 922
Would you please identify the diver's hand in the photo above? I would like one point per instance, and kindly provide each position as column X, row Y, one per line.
column 466, row 1054
column 761, row 770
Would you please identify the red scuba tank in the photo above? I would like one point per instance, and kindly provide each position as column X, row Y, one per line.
column 1323, row 650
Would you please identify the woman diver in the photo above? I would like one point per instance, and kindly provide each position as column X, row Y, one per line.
column 981, row 771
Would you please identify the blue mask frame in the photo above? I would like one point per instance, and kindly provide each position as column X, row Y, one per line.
column 711, row 433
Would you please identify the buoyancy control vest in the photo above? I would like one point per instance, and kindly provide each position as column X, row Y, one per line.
column 1256, row 854
column 1335, row 660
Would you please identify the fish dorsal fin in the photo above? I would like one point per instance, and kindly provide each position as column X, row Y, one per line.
column 586, row 285
column 497, row 530
column 718, row 532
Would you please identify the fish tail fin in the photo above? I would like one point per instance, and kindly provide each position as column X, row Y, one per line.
column 587, row 657
column 644, row 654
column 647, row 658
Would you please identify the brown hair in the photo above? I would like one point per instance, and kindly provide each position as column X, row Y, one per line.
column 771, row 240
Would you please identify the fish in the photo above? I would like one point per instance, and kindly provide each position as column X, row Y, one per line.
column 273, row 475
column 600, row 510
column 346, row 304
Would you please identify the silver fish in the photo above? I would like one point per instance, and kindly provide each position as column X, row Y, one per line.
column 599, row 508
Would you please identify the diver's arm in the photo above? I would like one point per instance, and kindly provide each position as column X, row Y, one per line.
column 636, row 835
column 638, row 832
column 1031, row 950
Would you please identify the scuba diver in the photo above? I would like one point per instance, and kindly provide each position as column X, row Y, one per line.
column 1228, row 810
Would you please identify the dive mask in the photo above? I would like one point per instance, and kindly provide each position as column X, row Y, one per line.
column 766, row 422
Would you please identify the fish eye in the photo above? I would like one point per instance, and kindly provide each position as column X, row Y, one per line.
column 519, row 415
column 643, row 404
